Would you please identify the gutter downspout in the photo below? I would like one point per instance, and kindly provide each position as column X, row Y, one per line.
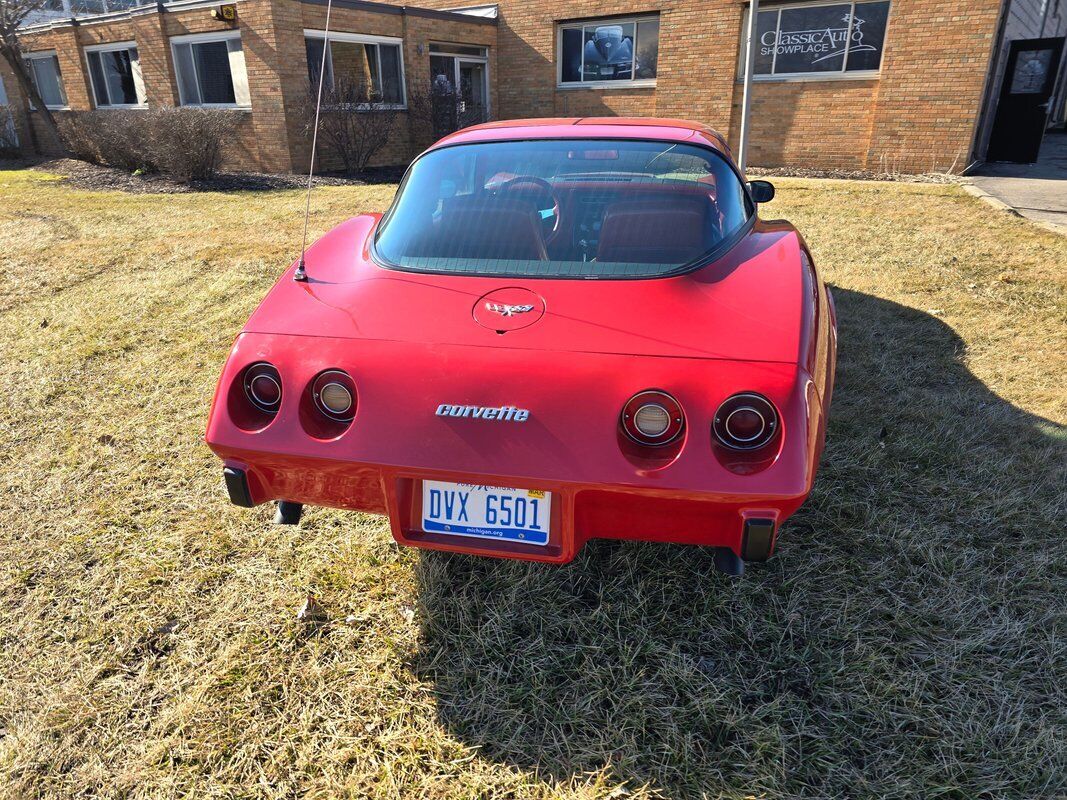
column 746, row 101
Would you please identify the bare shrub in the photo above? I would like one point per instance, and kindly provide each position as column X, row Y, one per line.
column 9, row 140
column 422, row 115
column 439, row 110
column 111, row 138
column 186, row 143
column 79, row 135
column 353, row 124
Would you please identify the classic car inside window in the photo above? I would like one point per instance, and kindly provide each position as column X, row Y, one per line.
column 360, row 69
column 822, row 39
column 608, row 52
column 563, row 208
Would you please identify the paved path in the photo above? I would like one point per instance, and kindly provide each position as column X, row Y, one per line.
column 1037, row 191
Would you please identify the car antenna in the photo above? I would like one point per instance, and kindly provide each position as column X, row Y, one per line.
column 301, row 271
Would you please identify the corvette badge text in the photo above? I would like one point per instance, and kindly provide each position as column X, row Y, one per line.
column 499, row 413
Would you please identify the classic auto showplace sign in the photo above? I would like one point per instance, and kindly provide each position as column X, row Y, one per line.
column 839, row 37
column 819, row 44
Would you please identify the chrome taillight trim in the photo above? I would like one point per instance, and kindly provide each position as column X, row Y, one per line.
column 652, row 397
column 753, row 402
column 342, row 379
column 256, row 371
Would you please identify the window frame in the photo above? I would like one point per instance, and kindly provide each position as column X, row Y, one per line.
column 43, row 54
column 841, row 75
column 139, row 86
column 207, row 38
column 439, row 47
column 633, row 83
column 362, row 38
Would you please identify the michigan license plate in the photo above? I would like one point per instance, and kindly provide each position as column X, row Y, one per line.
column 486, row 512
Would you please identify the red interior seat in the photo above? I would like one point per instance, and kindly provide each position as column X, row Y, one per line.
column 668, row 229
column 497, row 229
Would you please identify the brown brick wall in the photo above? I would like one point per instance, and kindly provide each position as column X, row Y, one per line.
column 417, row 32
column 920, row 114
column 933, row 75
column 272, row 137
column 823, row 124
column 151, row 32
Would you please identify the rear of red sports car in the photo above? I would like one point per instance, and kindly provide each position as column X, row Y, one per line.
column 558, row 331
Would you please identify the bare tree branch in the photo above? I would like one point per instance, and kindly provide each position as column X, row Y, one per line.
column 12, row 14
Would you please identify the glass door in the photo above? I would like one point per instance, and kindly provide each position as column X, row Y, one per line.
column 459, row 86
column 443, row 106
column 473, row 92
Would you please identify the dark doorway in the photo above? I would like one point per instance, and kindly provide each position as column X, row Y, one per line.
column 1025, row 94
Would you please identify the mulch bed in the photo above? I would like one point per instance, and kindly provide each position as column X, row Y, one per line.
column 851, row 175
column 84, row 175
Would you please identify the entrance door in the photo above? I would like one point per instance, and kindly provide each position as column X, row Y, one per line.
column 459, row 87
column 473, row 92
column 1022, row 113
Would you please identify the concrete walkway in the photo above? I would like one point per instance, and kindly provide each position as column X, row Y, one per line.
column 1037, row 191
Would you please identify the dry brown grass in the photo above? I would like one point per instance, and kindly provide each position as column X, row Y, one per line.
column 907, row 641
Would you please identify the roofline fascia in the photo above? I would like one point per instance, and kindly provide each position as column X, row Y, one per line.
column 185, row 5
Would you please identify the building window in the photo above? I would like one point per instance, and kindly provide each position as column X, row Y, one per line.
column 608, row 52
column 115, row 75
column 370, row 68
column 819, row 41
column 211, row 70
column 44, row 72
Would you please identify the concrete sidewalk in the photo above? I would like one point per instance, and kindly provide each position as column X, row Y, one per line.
column 1037, row 191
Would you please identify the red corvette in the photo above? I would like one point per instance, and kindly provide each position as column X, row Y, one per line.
column 561, row 329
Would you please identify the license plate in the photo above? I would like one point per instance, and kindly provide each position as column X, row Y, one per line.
column 486, row 512
column 607, row 71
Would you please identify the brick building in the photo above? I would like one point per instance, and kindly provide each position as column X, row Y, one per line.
column 905, row 85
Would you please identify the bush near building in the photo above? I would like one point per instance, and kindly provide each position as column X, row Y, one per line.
column 9, row 143
column 185, row 143
column 353, row 126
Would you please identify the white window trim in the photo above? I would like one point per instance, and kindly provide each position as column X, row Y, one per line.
column 111, row 47
column 47, row 54
column 213, row 36
column 640, row 83
column 361, row 38
column 803, row 77
column 436, row 43
column 201, row 38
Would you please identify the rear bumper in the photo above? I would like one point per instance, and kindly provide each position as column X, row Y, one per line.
column 572, row 444
column 746, row 525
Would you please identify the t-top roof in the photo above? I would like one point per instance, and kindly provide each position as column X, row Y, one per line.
column 671, row 130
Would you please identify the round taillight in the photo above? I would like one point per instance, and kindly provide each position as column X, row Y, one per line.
column 263, row 387
column 745, row 421
column 335, row 395
column 652, row 418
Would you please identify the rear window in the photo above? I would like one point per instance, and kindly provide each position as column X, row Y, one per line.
column 560, row 209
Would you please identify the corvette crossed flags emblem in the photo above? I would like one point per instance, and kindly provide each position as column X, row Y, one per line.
column 506, row 310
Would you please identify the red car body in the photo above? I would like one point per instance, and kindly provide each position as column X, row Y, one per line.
column 757, row 318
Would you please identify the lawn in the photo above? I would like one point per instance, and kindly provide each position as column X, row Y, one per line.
column 908, row 640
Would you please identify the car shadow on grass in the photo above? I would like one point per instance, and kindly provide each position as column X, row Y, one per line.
column 899, row 641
